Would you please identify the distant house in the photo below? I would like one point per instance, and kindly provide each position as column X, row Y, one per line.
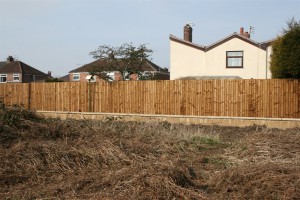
column 81, row 73
column 233, row 56
column 18, row 72
column 65, row 78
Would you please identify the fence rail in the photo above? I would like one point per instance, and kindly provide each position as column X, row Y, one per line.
column 274, row 98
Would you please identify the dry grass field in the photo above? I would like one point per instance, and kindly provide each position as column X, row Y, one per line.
column 109, row 159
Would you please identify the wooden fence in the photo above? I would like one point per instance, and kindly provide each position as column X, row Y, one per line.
column 237, row 98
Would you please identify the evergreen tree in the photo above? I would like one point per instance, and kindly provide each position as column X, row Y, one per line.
column 285, row 62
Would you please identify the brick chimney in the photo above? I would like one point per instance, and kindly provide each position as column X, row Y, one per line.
column 242, row 30
column 10, row 59
column 245, row 34
column 187, row 33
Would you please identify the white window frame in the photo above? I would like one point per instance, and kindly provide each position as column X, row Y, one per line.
column 111, row 75
column 3, row 76
column 93, row 79
column 76, row 75
column 16, row 76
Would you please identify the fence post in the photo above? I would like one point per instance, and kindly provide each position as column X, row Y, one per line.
column 29, row 95
column 89, row 95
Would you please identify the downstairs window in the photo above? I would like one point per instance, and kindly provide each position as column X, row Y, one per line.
column 3, row 78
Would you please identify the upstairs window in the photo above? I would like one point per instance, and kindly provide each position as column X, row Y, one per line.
column 3, row 78
column 16, row 77
column 76, row 76
column 234, row 59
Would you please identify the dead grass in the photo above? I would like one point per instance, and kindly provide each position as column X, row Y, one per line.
column 54, row 159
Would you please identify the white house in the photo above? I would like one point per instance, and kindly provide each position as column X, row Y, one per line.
column 233, row 56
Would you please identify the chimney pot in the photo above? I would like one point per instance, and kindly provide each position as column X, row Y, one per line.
column 187, row 33
column 242, row 30
column 245, row 34
column 10, row 59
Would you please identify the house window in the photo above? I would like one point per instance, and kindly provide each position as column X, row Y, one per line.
column 234, row 59
column 93, row 79
column 16, row 77
column 76, row 76
column 111, row 76
column 3, row 78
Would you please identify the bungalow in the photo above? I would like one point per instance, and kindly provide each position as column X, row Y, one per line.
column 82, row 73
column 18, row 72
column 233, row 56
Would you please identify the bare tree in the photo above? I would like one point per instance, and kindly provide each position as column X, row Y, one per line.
column 125, row 59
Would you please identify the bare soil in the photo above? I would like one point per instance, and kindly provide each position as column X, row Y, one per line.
column 110, row 159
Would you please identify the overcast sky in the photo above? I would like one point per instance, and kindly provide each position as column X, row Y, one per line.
column 57, row 35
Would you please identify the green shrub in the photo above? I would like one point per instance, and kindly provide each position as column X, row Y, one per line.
column 285, row 62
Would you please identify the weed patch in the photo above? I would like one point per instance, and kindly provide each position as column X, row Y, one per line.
column 112, row 159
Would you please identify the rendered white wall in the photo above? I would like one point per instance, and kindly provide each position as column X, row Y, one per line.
column 185, row 61
column 254, row 60
column 189, row 61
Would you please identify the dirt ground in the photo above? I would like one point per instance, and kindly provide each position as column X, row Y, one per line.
column 54, row 159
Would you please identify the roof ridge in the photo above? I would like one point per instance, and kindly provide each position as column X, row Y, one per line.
column 21, row 70
column 211, row 46
column 172, row 37
column 269, row 41
column 148, row 65
column 153, row 65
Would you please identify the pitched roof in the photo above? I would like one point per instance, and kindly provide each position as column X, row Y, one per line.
column 262, row 45
column 179, row 40
column 19, row 67
column 147, row 66
column 65, row 78
column 2, row 64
